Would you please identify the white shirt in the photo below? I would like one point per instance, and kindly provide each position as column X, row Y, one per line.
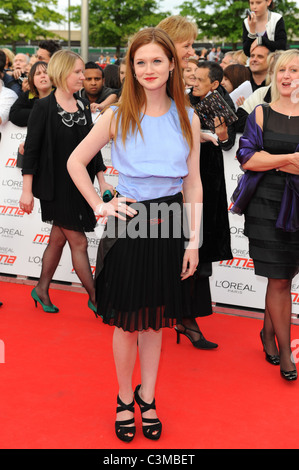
column 7, row 98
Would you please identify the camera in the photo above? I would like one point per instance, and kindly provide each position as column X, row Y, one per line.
column 22, row 78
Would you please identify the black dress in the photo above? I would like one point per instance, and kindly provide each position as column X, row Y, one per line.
column 68, row 208
column 216, row 244
column 275, row 252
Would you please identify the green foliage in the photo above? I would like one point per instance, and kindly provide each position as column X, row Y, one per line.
column 24, row 20
column 112, row 22
column 223, row 20
column 290, row 13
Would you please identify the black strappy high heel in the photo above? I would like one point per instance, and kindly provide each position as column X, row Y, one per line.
column 201, row 343
column 154, row 428
column 122, row 428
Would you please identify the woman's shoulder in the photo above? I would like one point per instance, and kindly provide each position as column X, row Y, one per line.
column 260, row 113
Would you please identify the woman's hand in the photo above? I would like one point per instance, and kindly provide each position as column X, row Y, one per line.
column 116, row 206
column 293, row 162
column 21, row 148
column 190, row 263
column 26, row 202
column 252, row 22
column 206, row 137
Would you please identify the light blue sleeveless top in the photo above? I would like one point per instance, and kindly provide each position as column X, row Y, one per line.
column 154, row 166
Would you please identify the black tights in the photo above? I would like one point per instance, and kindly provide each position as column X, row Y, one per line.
column 78, row 245
column 277, row 320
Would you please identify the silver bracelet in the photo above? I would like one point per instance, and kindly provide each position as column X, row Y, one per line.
column 252, row 35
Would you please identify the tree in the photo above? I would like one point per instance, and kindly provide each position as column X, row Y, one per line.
column 223, row 19
column 22, row 20
column 112, row 22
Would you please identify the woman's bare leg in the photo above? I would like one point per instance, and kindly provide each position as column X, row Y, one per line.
column 125, row 353
column 149, row 344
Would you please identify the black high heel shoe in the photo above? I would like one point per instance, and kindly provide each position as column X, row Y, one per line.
column 201, row 343
column 154, row 424
column 46, row 308
column 122, row 428
column 289, row 374
column 272, row 359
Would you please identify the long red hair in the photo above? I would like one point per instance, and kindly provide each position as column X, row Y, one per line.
column 133, row 98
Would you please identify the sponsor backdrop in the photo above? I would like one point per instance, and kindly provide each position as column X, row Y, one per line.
column 23, row 237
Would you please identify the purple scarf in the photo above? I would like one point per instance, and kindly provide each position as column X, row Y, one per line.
column 250, row 143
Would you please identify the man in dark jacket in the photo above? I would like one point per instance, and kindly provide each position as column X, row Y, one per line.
column 95, row 90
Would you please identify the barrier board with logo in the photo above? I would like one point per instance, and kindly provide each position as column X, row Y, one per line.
column 23, row 237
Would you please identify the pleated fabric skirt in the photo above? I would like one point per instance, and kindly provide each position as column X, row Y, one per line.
column 275, row 252
column 138, row 278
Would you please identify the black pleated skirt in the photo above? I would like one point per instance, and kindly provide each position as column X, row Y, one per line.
column 275, row 253
column 138, row 278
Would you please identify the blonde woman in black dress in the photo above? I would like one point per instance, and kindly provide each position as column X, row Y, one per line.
column 268, row 196
column 57, row 124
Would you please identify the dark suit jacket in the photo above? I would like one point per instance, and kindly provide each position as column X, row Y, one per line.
column 40, row 145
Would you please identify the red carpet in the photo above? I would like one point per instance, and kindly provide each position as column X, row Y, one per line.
column 58, row 387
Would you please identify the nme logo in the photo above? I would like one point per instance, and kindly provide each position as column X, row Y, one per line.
column 238, row 262
column 11, row 210
column 295, row 297
column 102, row 220
column 7, row 259
column 110, row 170
column 40, row 238
column 11, row 163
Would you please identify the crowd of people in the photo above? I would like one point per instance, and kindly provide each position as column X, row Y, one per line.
column 164, row 154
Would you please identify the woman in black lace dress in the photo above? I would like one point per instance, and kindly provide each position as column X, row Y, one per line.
column 268, row 195
column 57, row 124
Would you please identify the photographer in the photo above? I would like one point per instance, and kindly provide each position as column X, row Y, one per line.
column 17, row 77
